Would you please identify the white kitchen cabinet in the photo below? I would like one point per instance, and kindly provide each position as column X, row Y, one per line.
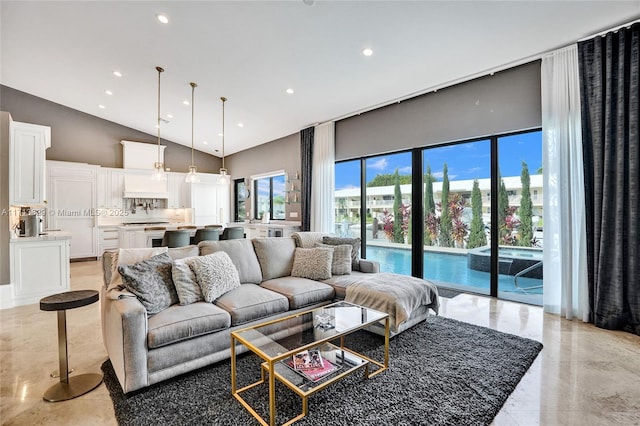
column 72, row 205
column 27, row 175
column 177, row 191
column 108, row 239
column 209, row 201
column 39, row 268
column 110, row 184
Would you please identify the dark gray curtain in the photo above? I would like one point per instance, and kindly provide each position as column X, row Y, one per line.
column 306, row 154
column 610, row 97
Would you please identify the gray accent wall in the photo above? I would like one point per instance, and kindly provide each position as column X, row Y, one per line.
column 281, row 154
column 505, row 102
column 84, row 138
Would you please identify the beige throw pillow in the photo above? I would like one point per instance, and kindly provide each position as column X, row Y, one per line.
column 341, row 262
column 312, row 263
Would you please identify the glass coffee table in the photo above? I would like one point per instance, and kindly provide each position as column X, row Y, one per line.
column 306, row 352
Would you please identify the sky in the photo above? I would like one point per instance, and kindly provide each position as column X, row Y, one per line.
column 464, row 161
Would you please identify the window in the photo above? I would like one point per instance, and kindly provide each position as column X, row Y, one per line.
column 239, row 200
column 269, row 197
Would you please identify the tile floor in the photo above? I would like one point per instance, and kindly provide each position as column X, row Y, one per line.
column 583, row 376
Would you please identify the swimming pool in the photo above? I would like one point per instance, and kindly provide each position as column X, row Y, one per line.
column 451, row 270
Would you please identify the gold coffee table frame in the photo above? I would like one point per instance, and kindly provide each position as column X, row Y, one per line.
column 263, row 345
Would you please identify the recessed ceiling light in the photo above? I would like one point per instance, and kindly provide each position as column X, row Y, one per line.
column 367, row 51
column 117, row 73
column 108, row 92
column 185, row 102
column 205, row 142
column 290, row 91
column 162, row 18
column 101, row 106
column 220, row 134
column 240, row 124
column 169, row 115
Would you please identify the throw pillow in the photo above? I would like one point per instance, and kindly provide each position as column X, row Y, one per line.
column 150, row 280
column 216, row 275
column 355, row 250
column 341, row 263
column 312, row 263
column 185, row 281
column 129, row 257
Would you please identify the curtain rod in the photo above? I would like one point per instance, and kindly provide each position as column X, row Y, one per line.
column 628, row 24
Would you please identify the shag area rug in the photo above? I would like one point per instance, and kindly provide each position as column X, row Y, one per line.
column 442, row 372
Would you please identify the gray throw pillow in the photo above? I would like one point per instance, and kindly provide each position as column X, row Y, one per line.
column 216, row 275
column 312, row 263
column 341, row 263
column 151, row 282
column 185, row 281
column 355, row 250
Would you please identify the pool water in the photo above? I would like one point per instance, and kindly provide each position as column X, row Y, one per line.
column 448, row 268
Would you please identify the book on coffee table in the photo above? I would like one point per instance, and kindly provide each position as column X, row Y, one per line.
column 315, row 374
column 307, row 360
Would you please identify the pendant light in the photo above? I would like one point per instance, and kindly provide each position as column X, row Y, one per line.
column 159, row 173
column 224, row 178
column 192, row 177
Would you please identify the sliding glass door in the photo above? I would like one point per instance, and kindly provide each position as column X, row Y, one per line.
column 456, row 215
column 480, row 209
column 520, row 217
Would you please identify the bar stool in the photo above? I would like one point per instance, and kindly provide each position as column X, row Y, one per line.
column 155, row 228
column 213, row 227
column 73, row 387
column 187, row 227
column 232, row 233
column 177, row 238
column 206, row 235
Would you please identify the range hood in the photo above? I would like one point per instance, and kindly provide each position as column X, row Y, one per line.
column 138, row 184
column 142, row 186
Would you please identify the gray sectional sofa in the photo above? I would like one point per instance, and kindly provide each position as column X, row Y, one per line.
column 272, row 279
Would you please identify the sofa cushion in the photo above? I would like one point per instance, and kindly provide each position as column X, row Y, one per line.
column 185, row 281
column 251, row 302
column 216, row 275
column 301, row 292
column 312, row 263
column 275, row 256
column 151, row 282
column 182, row 252
column 129, row 257
column 341, row 263
column 179, row 323
column 355, row 250
column 341, row 282
column 307, row 239
column 242, row 255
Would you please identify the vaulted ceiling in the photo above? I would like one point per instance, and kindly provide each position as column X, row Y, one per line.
column 252, row 52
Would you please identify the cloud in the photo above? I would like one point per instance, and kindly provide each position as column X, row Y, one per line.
column 440, row 175
column 348, row 186
column 405, row 170
column 381, row 164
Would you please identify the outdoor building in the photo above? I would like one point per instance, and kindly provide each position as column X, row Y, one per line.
column 380, row 198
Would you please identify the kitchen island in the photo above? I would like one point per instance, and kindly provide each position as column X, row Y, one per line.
column 39, row 267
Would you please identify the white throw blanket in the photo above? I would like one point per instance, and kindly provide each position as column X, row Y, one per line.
column 394, row 294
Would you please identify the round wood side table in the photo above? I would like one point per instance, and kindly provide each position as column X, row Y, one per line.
column 69, row 388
